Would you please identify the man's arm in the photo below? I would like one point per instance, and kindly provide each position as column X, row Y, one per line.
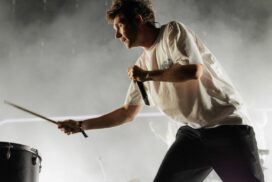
column 117, row 117
column 176, row 73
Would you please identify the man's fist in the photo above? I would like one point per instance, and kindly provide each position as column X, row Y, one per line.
column 135, row 73
column 69, row 126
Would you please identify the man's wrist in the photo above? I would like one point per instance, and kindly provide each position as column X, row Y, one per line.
column 147, row 76
column 81, row 125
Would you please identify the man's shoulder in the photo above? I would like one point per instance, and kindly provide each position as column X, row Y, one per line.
column 174, row 26
column 174, row 23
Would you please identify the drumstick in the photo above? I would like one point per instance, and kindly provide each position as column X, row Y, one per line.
column 38, row 115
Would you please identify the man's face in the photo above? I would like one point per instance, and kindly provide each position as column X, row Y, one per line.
column 125, row 32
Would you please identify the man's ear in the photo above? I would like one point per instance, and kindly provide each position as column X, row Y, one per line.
column 139, row 20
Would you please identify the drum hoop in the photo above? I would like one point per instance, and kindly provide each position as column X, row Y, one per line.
column 16, row 146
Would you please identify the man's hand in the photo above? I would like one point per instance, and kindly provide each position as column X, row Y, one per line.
column 135, row 73
column 69, row 126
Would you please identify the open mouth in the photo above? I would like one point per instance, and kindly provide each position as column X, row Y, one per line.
column 123, row 40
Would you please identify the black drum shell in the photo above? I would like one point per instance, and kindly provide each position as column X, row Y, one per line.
column 19, row 163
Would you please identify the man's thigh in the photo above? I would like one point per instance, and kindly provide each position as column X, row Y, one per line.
column 234, row 155
column 185, row 160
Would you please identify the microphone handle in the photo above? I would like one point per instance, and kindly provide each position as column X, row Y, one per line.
column 143, row 92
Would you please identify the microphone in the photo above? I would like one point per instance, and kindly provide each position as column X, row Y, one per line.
column 143, row 92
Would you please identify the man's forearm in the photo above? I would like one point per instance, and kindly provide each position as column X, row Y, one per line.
column 114, row 118
column 177, row 73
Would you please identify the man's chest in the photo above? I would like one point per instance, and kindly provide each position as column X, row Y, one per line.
column 158, row 59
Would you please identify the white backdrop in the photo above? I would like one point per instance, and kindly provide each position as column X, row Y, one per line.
column 60, row 58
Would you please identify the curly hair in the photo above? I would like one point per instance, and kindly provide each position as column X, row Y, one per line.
column 129, row 9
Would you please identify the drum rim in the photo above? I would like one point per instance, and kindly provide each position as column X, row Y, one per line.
column 17, row 146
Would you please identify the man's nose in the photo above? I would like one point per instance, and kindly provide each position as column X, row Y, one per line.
column 117, row 35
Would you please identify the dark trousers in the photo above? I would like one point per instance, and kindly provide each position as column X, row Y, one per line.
column 230, row 150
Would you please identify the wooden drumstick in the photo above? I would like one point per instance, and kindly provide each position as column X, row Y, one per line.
column 38, row 115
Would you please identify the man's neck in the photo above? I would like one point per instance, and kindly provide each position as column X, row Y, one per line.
column 149, row 37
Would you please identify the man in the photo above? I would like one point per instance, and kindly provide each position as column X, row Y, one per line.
column 184, row 80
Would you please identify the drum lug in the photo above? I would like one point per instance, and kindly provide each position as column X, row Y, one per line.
column 34, row 159
column 8, row 154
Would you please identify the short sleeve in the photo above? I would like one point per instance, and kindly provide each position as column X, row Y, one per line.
column 133, row 95
column 182, row 45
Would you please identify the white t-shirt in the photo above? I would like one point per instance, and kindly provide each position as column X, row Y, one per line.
column 208, row 102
